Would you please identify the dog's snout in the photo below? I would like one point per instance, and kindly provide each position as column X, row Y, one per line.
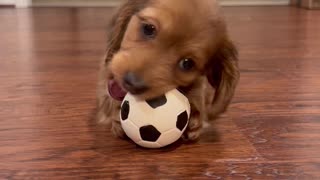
column 134, row 83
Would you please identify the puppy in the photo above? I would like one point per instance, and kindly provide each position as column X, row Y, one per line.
column 158, row 45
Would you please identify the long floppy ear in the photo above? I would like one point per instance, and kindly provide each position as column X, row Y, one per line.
column 119, row 23
column 117, row 29
column 223, row 75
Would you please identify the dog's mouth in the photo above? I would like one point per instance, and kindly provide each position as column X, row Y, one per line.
column 118, row 92
column 115, row 90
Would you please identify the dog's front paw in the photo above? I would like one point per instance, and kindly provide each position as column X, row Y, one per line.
column 191, row 135
column 193, row 130
column 117, row 130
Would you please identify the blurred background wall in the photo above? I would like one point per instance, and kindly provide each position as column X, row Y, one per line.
column 68, row 3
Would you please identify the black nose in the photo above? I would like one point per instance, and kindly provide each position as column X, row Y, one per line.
column 134, row 84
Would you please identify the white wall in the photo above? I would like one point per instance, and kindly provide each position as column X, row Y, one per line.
column 7, row 2
column 68, row 3
column 23, row 3
column 116, row 2
column 254, row 2
column 17, row 3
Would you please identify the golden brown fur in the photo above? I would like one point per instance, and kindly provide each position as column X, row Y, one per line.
column 187, row 28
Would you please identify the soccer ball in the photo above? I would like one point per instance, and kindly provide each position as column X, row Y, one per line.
column 155, row 123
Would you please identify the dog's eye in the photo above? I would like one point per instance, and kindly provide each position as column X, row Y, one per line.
column 149, row 30
column 186, row 64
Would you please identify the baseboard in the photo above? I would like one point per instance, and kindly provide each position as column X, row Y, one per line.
column 107, row 3
column 255, row 2
column 75, row 3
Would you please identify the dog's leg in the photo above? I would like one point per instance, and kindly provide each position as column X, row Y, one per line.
column 108, row 108
column 193, row 130
column 198, row 113
column 116, row 127
column 108, row 114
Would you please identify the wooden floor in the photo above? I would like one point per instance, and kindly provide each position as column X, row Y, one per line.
column 48, row 69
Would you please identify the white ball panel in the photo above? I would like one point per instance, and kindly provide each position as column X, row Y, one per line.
column 164, row 121
column 169, row 137
column 131, row 130
column 149, row 144
column 179, row 101
column 141, row 115
column 166, row 115
column 181, row 98
column 188, row 108
column 169, row 109
column 178, row 95
column 140, row 111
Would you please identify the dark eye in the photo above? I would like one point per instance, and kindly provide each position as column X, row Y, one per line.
column 186, row 64
column 149, row 30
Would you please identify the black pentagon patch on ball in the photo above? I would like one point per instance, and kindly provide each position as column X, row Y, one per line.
column 149, row 133
column 157, row 102
column 125, row 108
column 182, row 120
